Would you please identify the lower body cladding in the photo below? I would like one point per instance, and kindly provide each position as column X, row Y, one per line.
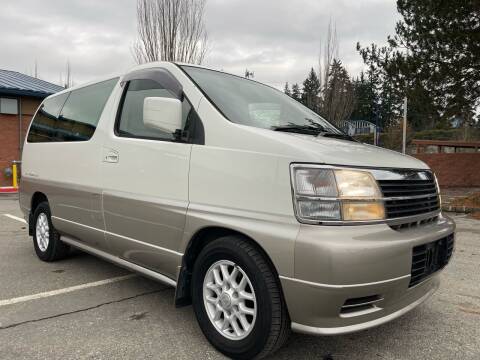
column 352, row 278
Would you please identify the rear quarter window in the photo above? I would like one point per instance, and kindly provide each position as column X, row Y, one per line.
column 71, row 116
column 44, row 123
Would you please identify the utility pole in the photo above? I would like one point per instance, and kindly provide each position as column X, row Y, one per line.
column 404, row 142
column 376, row 137
column 68, row 76
column 405, row 103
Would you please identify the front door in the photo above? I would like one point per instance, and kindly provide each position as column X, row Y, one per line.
column 145, row 182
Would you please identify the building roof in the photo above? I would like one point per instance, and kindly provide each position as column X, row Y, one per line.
column 18, row 84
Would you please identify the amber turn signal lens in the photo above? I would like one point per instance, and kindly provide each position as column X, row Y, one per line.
column 363, row 211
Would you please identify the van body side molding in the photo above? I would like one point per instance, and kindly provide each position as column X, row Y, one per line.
column 120, row 236
column 120, row 262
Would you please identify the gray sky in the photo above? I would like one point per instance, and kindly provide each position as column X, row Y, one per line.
column 277, row 39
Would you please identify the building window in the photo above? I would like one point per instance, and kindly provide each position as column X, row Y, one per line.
column 8, row 106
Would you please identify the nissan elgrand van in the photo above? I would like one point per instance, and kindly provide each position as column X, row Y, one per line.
column 262, row 214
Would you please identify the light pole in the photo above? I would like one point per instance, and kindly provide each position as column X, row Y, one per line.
column 404, row 142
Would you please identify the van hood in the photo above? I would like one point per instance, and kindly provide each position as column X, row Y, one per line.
column 344, row 152
column 324, row 150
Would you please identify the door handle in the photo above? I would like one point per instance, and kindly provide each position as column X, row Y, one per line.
column 111, row 157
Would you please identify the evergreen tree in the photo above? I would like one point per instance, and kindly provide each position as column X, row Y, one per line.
column 366, row 99
column 389, row 94
column 338, row 97
column 286, row 89
column 311, row 91
column 390, row 109
column 433, row 60
column 296, row 93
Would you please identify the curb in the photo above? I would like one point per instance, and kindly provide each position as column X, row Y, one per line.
column 461, row 209
column 8, row 190
column 8, row 196
column 8, row 193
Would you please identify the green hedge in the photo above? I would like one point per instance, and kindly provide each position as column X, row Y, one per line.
column 439, row 134
column 365, row 138
column 434, row 134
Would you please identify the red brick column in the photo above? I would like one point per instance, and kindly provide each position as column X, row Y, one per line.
column 8, row 145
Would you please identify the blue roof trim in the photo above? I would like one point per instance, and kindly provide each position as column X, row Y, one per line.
column 17, row 84
column 14, row 92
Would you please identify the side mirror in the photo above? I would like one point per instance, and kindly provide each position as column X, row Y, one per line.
column 161, row 113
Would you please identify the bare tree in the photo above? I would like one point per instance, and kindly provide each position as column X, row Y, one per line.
column 68, row 76
column 170, row 30
column 337, row 98
column 327, row 54
column 249, row 74
column 66, row 82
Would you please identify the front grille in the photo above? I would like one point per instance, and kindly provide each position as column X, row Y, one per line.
column 429, row 258
column 409, row 197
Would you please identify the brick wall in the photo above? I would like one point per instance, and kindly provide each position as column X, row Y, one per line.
column 454, row 170
column 9, row 136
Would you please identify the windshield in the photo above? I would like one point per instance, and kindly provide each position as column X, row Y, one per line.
column 251, row 103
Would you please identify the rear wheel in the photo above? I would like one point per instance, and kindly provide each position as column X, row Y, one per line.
column 238, row 300
column 46, row 239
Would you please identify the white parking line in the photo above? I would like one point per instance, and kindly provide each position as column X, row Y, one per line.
column 64, row 290
column 15, row 218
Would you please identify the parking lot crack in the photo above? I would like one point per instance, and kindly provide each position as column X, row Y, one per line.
column 83, row 310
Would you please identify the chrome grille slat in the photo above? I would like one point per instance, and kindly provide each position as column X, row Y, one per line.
column 408, row 204
column 410, row 211
column 412, row 199
column 402, row 192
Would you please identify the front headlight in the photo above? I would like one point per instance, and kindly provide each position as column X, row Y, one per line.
column 327, row 194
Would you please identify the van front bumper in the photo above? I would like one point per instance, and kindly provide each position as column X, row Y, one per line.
column 335, row 266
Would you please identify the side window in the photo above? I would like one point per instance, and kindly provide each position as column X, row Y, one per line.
column 130, row 122
column 82, row 110
column 45, row 121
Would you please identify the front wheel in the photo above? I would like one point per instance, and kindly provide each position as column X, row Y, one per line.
column 238, row 301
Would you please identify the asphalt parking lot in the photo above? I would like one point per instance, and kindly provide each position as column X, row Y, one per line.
column 100, row 311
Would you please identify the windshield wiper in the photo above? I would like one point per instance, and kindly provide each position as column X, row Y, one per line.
column 312, row 130
column 336, row 135
column 298, row 129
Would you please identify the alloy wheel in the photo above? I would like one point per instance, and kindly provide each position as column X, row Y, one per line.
column 229, row 300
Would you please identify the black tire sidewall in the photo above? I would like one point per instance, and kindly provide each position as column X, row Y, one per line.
column 253, row 344
column 48, row 253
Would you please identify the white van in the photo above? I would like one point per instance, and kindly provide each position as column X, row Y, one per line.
column 263, row 215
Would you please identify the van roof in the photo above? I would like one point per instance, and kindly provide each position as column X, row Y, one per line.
column 137, row 67
column 119, row 75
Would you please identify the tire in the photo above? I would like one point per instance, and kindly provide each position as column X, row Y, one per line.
column 269, row 326
column 46, row 240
